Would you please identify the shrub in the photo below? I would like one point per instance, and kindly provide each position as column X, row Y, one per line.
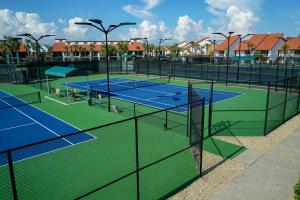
column 297, row 191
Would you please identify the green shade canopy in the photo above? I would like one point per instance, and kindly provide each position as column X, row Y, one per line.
column 127, row 56
column 63, row 71
column 244, row 58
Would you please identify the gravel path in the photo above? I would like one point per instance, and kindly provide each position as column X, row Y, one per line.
column 205, row 187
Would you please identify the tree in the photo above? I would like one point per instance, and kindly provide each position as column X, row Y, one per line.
column 9, row 46
column 49, row 53
column 66, row 49
column 91, row 50
column 250, row 48
column 112, row 49
column 28, row 45
column 122, row 48
column 175, row 50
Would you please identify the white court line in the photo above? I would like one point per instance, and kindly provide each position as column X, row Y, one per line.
column 49, row 114
column 5, row 129
column 36, row 121
column 56, row 100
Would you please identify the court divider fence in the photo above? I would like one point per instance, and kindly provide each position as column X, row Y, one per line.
column 252, row 74
column 142, row 157
column 280, row 103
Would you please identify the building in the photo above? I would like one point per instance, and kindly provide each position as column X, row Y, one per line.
column 247, row 47
column 269, row 47
column 221, row 50
column 79, row 50
column 136, row 48
column 292, row 50
column 17, row 56
column 195, row 48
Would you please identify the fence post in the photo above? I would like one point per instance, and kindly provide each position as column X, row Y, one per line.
column 298, row 108
column 210, row 108
column 189, row 107
column 267, row 110
column 137, row 158
column 12, row 175
column 285, row 98
column 202, row 137
column 250, row 78
column 166, row 122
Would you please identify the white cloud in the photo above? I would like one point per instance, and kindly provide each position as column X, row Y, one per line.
column 73, row 31
column 13, row 23
column 144, row 11
column 61, row 21
column 240, row 16
column 186, row 29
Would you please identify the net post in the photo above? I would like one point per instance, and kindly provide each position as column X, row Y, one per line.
column 267, row 109
column 285, row 98
column 137, row 158
column 202, row 137
column 39, row 96
column 210, row 108
column 12, row 175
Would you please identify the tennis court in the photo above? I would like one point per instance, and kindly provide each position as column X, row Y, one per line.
column 25, row 124
column 155, row 93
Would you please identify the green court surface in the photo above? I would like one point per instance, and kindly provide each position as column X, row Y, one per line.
column 78, row 169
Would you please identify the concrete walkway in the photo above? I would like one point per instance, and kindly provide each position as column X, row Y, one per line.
column 271, row 177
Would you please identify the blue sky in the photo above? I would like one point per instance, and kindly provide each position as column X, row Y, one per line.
column 177, row 19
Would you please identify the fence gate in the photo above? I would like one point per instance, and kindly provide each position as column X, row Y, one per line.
column 196, row 125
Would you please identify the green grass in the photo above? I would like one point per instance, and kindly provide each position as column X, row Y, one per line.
column 76, row 170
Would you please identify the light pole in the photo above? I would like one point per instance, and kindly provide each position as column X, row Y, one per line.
column 239, row 60
column 106, row 31
column 228, row 43
column 147, row 51
column 36, row 40
column 161, row 40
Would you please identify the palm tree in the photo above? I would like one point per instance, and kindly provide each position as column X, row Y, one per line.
column 192, row 43
column 66, row 49
column 9, row 46
column 91, row 50
column 122, row 48
column 151, row 48
column 175, row 50
column 29, row 46
column 112, row 49
column 49, row 52
column 250, row 48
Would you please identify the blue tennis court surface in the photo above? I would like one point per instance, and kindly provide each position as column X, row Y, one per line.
column 26, row 124
column 158, row 95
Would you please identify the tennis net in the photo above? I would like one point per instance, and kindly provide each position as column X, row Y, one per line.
column 20, row 100
column 130, row 84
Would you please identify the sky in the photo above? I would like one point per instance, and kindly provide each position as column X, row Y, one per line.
column 179, row 20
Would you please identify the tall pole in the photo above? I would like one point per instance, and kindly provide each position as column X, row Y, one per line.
column 106, row 31
column 161, row 40
column 107, row 69
column 36, row 40
column 239, row 60
column 228, row 49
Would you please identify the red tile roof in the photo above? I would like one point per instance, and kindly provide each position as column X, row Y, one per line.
column 22, row 48
column 293, row 44
column 60, row 47
column 255, row 40
column 269, row 42
column 135, row 46
column 223, row 45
